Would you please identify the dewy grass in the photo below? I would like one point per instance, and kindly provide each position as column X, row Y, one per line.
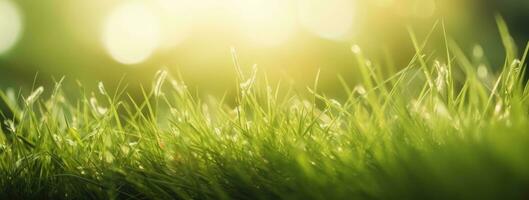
column 424, row 133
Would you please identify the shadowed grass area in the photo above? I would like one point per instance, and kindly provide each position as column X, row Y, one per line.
column 438, row 129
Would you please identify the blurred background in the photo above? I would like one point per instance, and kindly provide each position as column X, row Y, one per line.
column 108, row 40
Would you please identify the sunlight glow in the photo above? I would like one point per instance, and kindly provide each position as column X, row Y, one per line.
column 383, row 3
column 424, row 8
column 132, row 33
column 329, row 19
column 10, row 25
column 266, row 22
column 176, row 19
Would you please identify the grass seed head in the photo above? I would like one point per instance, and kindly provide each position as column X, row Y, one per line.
column 34, row 95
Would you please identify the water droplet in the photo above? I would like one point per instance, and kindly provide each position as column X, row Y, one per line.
column 101, row 88
column 477, row 51
column 482, row 71
column 360, row 90
column 356, row 49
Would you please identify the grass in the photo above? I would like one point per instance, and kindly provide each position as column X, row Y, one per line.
column 438, row 129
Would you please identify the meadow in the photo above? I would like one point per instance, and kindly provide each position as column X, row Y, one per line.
column 440, row 128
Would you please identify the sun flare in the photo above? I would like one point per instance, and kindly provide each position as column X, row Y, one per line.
column 266, row 22
column 330, row 19
column 132, row 33
column 10, row 25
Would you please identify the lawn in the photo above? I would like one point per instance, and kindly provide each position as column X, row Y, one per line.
column 440, row 128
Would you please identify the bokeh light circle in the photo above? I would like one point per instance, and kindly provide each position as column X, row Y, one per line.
column 266, row 23
column 10, row 25
column 329, row 19
column 132, row 33
column 176, row 17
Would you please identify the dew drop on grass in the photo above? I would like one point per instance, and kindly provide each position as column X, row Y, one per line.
column 109, row 158
column 10, row 93
column 477, row 51
column 101, row 88
column 482, row 71
column 516, row 63
column 441, row 110
column 10, row 125
column 360, row 90
column 95, row 106
column 81, row 170
column 356, row 49
column 498, row 108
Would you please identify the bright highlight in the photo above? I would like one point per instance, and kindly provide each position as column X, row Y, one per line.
column 424, row 8
column 330, row 19
column 176, row 19
column 131, row 33
column 10, row 25
column 266, row 22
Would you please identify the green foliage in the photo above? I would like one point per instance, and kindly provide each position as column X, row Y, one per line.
column 438, row 129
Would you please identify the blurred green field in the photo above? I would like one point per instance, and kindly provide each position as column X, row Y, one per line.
column 437, row 129
column 66, row 38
